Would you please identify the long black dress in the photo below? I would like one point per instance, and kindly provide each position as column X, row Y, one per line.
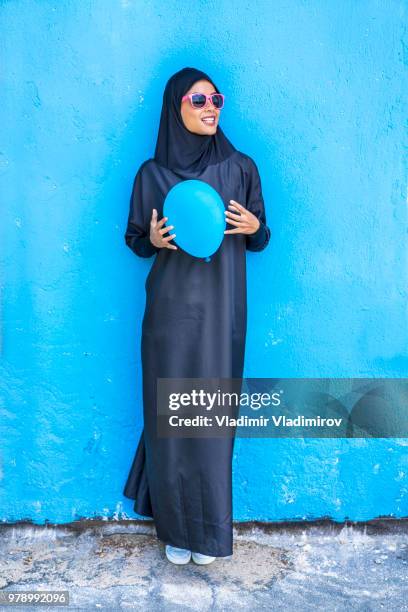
column 194, row 325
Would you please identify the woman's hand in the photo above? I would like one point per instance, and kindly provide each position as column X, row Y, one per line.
column 157, row 232
column 243, row 219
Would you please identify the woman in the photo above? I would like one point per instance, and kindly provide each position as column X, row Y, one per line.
column 195, row 318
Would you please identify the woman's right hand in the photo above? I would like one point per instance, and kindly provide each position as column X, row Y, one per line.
column 157, row 232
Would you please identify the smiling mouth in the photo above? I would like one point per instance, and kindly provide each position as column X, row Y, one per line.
column 208, row 120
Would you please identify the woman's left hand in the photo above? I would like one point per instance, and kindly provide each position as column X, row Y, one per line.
column 243, row 219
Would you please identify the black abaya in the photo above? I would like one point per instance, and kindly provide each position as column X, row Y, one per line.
column 194, row 326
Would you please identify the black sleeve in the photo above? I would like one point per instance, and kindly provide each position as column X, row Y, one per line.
column 137, row 236
column 255, row 204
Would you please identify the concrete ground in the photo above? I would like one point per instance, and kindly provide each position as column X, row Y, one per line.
column 121, row 565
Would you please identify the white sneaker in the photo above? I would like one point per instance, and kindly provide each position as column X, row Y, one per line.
column 179, row 556
column 202, row 559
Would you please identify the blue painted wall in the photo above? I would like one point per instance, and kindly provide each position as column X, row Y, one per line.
column 315, row 95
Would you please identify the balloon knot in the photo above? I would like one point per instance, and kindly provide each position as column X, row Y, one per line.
column 208, row 259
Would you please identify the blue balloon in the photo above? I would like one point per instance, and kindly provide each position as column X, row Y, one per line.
column 197, row 212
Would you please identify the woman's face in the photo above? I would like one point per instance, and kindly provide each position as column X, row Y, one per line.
column 193, row 117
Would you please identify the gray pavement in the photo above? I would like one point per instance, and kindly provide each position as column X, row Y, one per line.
column 121, row 565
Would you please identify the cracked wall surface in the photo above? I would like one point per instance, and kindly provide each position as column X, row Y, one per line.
column 315, row 94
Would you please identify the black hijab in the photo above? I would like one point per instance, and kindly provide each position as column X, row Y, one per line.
column 177, row 148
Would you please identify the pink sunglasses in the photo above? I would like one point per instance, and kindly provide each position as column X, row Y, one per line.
column 199, row 100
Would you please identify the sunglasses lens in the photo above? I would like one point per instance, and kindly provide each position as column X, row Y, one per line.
column 217, row 100
column 198, row 100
